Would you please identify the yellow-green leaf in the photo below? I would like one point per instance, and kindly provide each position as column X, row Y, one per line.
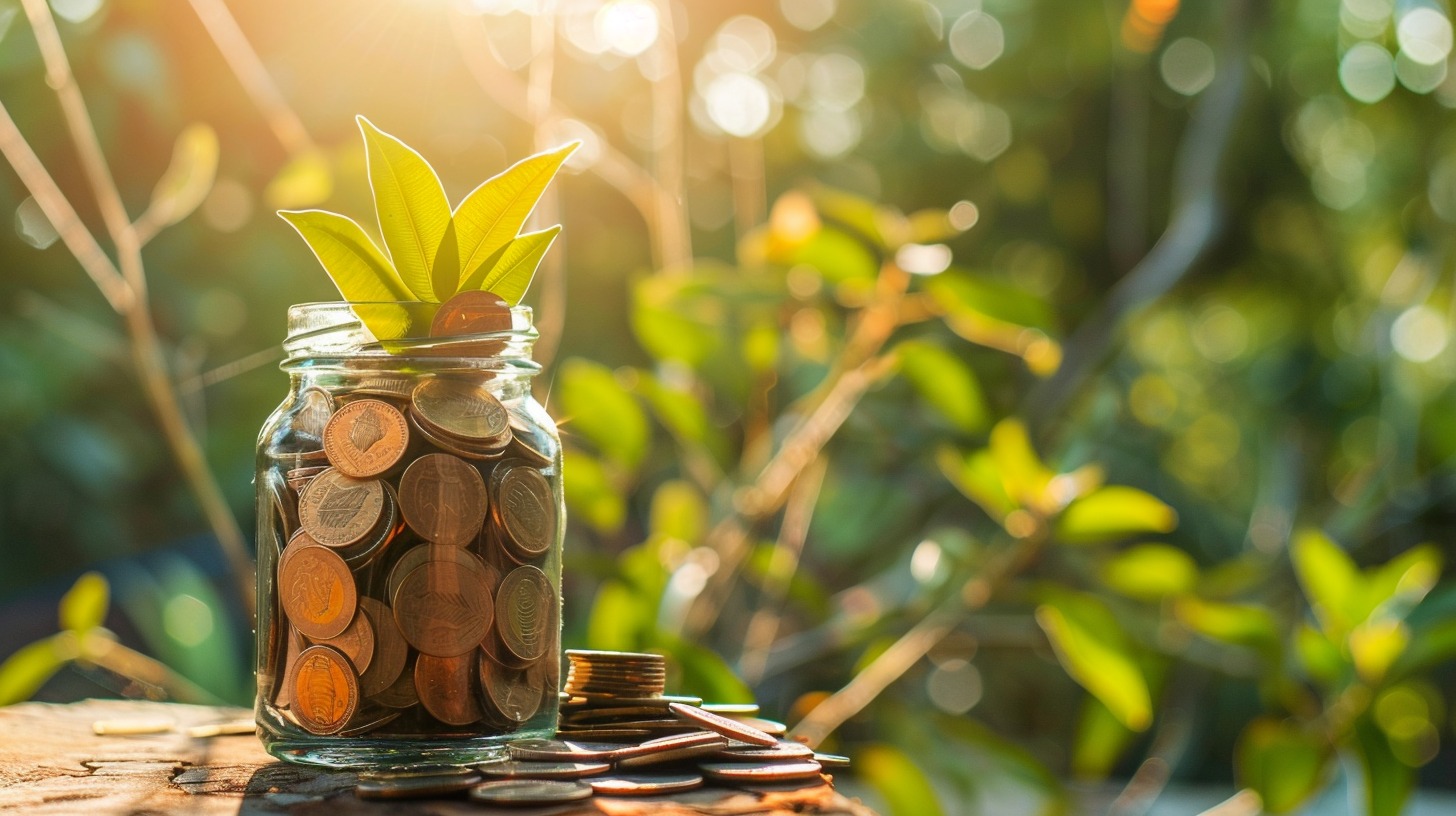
column 413, row 211
column 1375, row 644
column 1388, row 780
column 84, row 605
column 188, row 178
column 1402, row 582
column 306, row 181
column 1101, row 741
column 1330, row 579
column 1022, row 471
column 1095, row 652
column 1244, row 624
column 598, row 408
column 679, row 511
column 492, row 214
column 976, row 477
column 898, row 780
column 25, row 671
column 1114, row 512
column 1283, row 763
column 357, row 267
column 511, row 273
column 618, row 618
column 1321, row 659
column 589, row 492
column 945, row 382
column 445, row 270
column 1150, row 571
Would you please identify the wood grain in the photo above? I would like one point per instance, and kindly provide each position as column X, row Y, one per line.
column 52, row 763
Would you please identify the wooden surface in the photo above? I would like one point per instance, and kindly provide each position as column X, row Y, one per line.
column 52, row 763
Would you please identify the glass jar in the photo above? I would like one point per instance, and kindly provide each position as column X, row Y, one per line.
column 410, row 519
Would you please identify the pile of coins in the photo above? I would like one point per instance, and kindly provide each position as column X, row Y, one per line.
column 620, row 735
column 414, row 595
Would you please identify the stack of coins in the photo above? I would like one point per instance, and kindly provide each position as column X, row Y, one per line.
column 415, row 593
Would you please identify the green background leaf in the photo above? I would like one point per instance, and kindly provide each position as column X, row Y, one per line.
column 1282, row 763
column 1114, row 512
column 1094, row 651
column 945, row 382
column 598, row 408
column 84, row 605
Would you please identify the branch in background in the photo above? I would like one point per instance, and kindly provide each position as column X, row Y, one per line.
column 1170, row 742
column 1195, row 222
column 672, row 240
column 146, row 348
column 255, row 79
column 745, row 169
column 1244, row 803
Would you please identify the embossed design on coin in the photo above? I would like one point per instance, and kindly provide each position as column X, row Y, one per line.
column 390, row 650
column 443, row 499
column 514, row 693
column 445, row 690
column 444, row 607
column 472, row 312
column 524, row 608
column 526, row 510
column 366, row 438
column 338, row 511
column 356, row 641
column 317, row 591
column 460, row 408
column 325, row 690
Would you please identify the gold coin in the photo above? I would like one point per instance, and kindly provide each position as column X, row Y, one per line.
column 366, row 438
column 317, row 591
column 460, row 408
column 524, row 608
column 325, row 690
column 338, row 511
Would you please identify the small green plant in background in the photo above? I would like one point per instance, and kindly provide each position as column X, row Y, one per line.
column 431, row 252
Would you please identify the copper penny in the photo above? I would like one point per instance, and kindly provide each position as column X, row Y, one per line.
column 524, row 608
column 366, row 438
column 645, row 784
column 421, row 554
column 514, row 693
column 401, row 693
column 473, row 312
column 444, row 607
column 460, row 408
column 325, row 690
column 390, row 650
column 784, row 750
column 356, row 642
column 527, row 510
column 443, row 499
column 317, row 591
column 534, row 769
column 337, row 510
column 421, row 786
column 672, row 755
column 562, row 751
column 523, row 792
column 766, row 772
column 443, row 684
column 294, row 644
column 728, row 728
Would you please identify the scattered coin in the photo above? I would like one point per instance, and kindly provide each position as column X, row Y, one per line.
column 317, row 591
column 544, row 750
column 773, row 728
column 521, row 792
column 366, row 438
column 528, row 769
column 832, row 760
column 731, row 709
column 134, row 726
column 644, row 784
column 325, row 690
column 766, row 772
column 784, row 750
column 230, row 728
column 421, row 786
column 672, row 755
column 728, row 728
column 443, row 499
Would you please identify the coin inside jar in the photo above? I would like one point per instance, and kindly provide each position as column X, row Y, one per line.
column 526, row 510
column 472, row 312
column 337, row 510
column 317, row 591
column 390, row 650
column 462, row 409
column 514, row 693
column 443, row 499
column 444, row 607
column 524, row 608
column 356, row 641
column 366, row 438
column 443, row 684
column 325, row 690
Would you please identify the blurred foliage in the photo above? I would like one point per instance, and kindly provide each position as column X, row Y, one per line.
column 1207, row 548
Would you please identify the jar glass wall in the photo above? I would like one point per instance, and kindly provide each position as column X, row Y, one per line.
column 410, row 520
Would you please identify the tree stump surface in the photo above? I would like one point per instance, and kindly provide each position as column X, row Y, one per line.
column 51, row 762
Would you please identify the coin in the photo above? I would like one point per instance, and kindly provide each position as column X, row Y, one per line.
column 369, row 720
column 524, row 607
column 317, row 591
column 603, row 734
column 521, row 792
column 562, row 750
column 366, row 438
column 337, row 510
column 422, row 786
column 831, row 760
column 784, row 750
column 421, row 554
column 728, row 728
column 315, row 406
column 514, row 693
column 390, row 650
column 644, row 784
column 672, row 755
column 472, row 312
column 766, row 772
column 443, row 684
column 731, row 709
column 449, row 445
column 293, row 646
column 401, row 693
column 460, row 408
column 325, row 690
column 444, row 607
column 527, row 769
column 526, row 510
column 443, row 499
column 673, row 743
column 356, row 641
column 771, row 727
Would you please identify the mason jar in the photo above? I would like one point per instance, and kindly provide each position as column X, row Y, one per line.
column 410, row 519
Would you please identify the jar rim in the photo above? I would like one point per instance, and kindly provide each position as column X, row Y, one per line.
column 321, row 331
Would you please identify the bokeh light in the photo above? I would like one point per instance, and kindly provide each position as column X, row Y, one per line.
column 1367, row 72
column 739, row 104
column 1419, row 334
column 807, row 14
column 627, row 27
column 1424, row 34
column 976, row 40
column 1187, row 65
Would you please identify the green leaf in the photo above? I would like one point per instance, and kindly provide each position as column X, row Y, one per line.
column 1283, row 763
column 492, row 214
column 1388, row 781
column 306, row 181
column 1330, row 580
column 976, row 477
column 445, row 270
column 188, row 178
column 589, row 492
column 618, row 619
column 413, row 211
column 357, row 267
column 1375, row 645
column 1101, row 741
column 683, row 415
column 511, row 273
column 898, row 780
column 1022, row 473
column 705, row 674
column 1402, row 582
column 1150, row 572
column 84, row 605
column 24, row 672
column 838, row 256
column 598, row 408
column 1320, row 659
column 1114, row 512
column 1244, row 624
column 945, row 382
column 1096, row 653
column 678, row 511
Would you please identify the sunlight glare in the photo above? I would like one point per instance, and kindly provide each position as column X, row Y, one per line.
column 627, row 27
column 739, row 104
